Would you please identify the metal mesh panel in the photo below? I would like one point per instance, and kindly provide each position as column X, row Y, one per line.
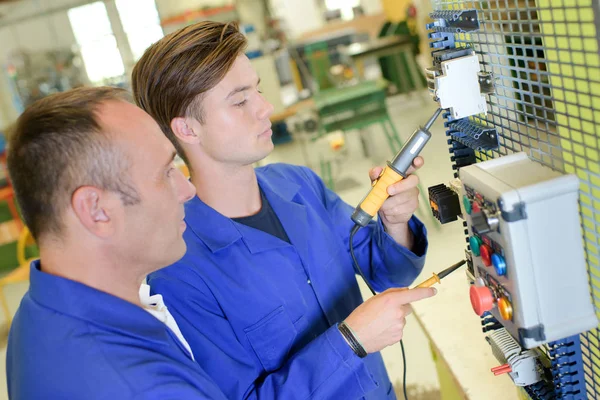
column 544, row 54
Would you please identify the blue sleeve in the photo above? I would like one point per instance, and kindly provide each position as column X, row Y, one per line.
column 384, row 262
column 325, row 368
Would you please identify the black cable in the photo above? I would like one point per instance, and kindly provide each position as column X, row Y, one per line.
column 403, row 370
column 355, row 229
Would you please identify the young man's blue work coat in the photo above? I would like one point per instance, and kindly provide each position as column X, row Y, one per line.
column 263, row 313
column 69, row 341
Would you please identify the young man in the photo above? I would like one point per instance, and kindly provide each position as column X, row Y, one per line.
column 95, row 180
column 267, row 289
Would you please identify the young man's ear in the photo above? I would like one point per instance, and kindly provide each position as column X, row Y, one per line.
column 184, row 130
column 92, row 209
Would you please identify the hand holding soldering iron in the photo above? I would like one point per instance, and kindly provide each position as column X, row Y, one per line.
column 404, row 196
column 397, row 209
column 379, row 321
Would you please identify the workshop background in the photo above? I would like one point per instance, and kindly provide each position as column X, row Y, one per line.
column 350, row 81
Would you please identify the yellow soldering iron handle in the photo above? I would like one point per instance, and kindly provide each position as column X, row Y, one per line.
column 378, row 194
column 368, row 207
column 429, row 282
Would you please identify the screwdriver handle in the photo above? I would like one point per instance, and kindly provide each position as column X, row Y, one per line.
column 429, row 282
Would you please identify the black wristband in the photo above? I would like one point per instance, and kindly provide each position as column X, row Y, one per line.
column 352, row 341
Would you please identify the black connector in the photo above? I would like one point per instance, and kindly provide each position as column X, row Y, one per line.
column 469, row 259
column 444, row 202
column 474, row 135
column 491, row 327
column 461, row 155
column 464, row 161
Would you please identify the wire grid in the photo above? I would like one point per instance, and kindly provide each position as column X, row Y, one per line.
column 544, row 54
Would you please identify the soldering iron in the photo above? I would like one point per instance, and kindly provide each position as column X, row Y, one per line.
column 394, row 172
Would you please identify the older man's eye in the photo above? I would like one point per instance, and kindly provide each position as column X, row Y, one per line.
column 241, row 104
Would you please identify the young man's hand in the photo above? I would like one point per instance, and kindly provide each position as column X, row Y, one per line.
column 379, row 321
column 397, row 210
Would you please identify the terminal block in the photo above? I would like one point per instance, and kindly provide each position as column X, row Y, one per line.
column 461, row 155
column 455, row 21
column 444, row 202
column 567, row 369
column 453, row 81
column 441, row 40
column 473, row 135
column 521, row 365
column 556, row 373
column 449, row 54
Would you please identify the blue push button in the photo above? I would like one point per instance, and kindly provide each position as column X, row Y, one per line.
column 499, row 264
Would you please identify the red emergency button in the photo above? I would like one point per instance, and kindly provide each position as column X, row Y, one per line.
column 486, row 254
column 481, row 299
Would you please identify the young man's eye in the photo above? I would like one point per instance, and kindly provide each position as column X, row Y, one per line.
column 170, row 171
column 241, row 104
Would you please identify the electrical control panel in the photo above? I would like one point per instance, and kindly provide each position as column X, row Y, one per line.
column 527, row 257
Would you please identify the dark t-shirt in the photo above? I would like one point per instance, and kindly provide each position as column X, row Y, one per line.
column 265, row 220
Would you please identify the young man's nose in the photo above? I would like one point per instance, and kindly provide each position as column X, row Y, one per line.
column 265, row 110
column 186, row 189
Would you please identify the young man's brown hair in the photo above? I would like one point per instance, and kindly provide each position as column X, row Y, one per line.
column 58, row 145
column 170, row 78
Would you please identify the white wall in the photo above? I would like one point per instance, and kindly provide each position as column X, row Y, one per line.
column 372, row 6
column 299, row 16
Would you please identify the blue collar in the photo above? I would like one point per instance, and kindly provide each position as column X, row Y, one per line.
column 218, row 231
column 93, row 306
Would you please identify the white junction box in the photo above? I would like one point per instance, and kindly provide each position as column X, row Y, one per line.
column 527, row 249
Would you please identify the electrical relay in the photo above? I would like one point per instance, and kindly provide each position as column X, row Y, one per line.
column 527, row 256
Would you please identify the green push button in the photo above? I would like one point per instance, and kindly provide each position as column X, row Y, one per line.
column 467, row 204
column 475, row 243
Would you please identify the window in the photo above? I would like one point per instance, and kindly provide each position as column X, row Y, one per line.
column 97, row 44
column 345, row 6
column 141, row 24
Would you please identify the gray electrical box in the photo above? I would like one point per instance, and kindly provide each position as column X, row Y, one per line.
column 526, row 243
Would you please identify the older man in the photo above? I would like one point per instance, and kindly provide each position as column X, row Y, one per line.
column 95, row 180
